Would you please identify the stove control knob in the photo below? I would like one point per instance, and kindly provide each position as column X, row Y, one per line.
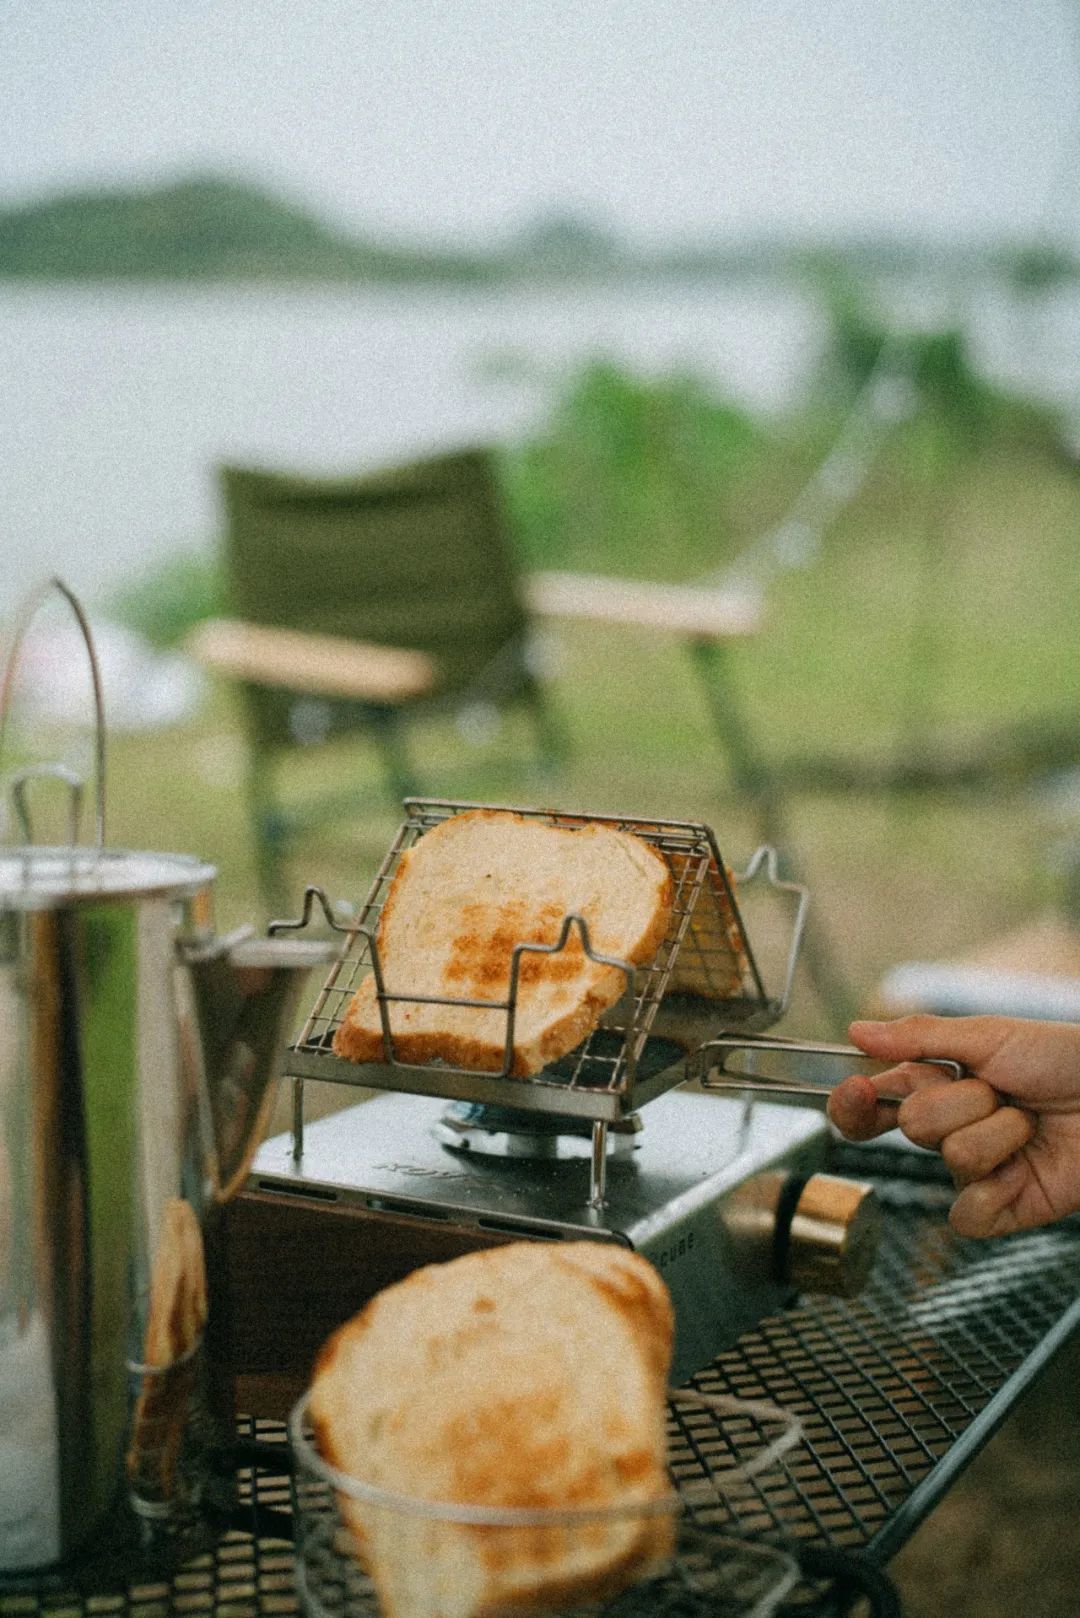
column 832, row 1236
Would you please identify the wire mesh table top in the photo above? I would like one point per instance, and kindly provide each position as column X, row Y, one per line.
column 897, row 1390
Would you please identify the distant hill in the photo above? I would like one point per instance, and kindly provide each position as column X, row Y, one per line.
column 220, row 230
column 565, row 243
column 199, row 229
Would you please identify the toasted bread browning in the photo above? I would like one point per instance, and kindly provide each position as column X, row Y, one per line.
column 713, row 961
column 470, row 891
column 521, row 1376
column 176, row 1317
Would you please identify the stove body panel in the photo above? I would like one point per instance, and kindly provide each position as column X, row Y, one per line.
column 376, row 1194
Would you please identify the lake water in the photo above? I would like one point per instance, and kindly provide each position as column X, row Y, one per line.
column 117, row 403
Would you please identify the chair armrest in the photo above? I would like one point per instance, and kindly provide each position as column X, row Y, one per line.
column 680, row 608
column 323, row 665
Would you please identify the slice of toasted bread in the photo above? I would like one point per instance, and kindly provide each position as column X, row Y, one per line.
column 529, row 1375
column 470, row 890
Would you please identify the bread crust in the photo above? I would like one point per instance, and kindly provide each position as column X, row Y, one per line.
column 528, row 876
column 525, row 1376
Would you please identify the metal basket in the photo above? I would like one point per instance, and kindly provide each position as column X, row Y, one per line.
column 703, row 977
column 701, row 1571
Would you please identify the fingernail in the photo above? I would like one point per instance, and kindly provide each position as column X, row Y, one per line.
column 866, row 1022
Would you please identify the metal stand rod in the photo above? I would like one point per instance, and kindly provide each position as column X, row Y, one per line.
column 598, row 1164
column 297, row 1120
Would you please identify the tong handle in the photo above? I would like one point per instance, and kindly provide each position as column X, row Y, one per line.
column 777, row 1066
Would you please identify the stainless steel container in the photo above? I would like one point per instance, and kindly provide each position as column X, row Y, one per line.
column 99, row 1129
column 136, row 1056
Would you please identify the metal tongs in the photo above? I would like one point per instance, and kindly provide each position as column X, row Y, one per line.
column 770, row 1065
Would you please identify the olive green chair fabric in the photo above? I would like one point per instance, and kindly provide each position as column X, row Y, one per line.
column 417, row 556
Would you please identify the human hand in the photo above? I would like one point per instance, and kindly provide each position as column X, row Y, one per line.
column 1010, row 1133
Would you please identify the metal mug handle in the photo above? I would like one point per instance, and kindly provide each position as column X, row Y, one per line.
column 34, row 772
column 27, row 611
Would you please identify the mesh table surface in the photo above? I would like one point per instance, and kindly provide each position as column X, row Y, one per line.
column 897, row 1390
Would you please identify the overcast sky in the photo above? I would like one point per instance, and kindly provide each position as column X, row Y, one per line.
column 665, row 118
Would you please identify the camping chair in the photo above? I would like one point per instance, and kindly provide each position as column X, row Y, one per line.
column 359, row 602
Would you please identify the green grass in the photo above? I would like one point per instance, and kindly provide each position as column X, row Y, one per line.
column 991, row 609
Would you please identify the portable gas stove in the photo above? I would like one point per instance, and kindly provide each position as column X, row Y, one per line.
column 726, row 1196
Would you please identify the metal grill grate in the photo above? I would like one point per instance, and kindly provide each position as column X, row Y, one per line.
column 897, row 1390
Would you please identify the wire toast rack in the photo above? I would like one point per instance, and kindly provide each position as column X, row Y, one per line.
column 710, row 1570
column 703, row 978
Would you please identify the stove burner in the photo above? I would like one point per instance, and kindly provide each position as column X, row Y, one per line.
column 495, row 1131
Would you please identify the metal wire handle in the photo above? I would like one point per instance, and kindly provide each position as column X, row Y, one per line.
column 716, row 1069
column 27, row 611
column 769, row 857
column 313, row 895
column 707, row 1492
column 34, row 772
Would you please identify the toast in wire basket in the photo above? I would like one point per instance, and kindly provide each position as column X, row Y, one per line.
column 507, row 1414
column 498, row 940
column 464, row 897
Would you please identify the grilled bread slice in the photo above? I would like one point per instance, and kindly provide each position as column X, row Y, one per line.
column 527, row 1375
column 463, row 896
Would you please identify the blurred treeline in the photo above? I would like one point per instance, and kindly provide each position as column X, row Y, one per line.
column 221, row 227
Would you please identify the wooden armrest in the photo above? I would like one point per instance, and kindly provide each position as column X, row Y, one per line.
column 323, row 665
column 681, row 608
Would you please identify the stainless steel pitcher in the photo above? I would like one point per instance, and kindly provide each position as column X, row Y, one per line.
column 137, row 1057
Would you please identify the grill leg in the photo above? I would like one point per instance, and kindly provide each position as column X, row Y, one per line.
column 598, row 1164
